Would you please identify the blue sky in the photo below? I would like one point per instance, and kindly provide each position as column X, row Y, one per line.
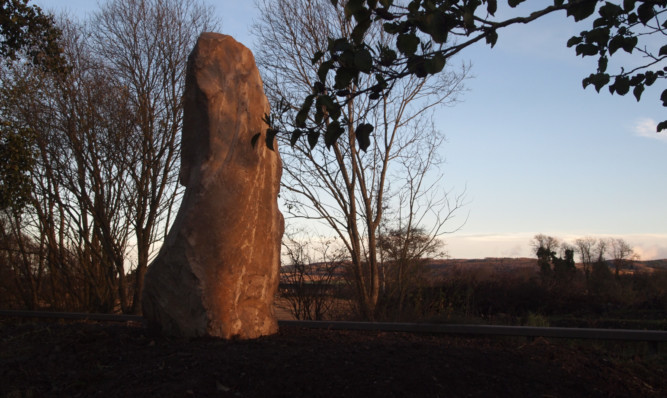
column 535, row 152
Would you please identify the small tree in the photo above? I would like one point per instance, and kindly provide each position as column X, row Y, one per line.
column 622, row 255
column 545, row 249
column 405, row 253
column 308, row 279
column 347, row 185
column 145, row 44
column 564, row 267
column 554, row 270
column 585, row 247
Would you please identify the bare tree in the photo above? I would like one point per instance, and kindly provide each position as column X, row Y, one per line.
column 308, row 278
column 622, row 254
column 548, row 243
column 545, row 248
column 105, row 175
column 601, row 250
column 75, row 210
column 146, row 44
column 78, row 209
column 585, row 247
column 405, row 255
column 342, row 187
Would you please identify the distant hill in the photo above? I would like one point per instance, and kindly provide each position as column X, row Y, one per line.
column 656, row 264
column 440, row 267
column 490, row 266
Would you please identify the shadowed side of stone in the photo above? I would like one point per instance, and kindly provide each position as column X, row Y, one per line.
column 217, row 272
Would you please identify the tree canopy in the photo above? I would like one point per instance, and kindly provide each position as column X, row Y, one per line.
column 28, row 29
column 429, row 32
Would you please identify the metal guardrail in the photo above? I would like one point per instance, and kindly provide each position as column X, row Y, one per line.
column 491, row 330
column 655, row 336
column 80, row 316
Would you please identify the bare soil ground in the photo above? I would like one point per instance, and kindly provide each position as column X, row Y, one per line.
column 122, row 360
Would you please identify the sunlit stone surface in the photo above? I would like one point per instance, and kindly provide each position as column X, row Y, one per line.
column 217, row 272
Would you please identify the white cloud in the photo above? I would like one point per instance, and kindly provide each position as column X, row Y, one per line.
column 646, row 127
column 648, row 246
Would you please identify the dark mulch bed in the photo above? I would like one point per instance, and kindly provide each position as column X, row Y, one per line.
column 118, row 360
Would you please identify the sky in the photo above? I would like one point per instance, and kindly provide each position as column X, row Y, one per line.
column 533, row 151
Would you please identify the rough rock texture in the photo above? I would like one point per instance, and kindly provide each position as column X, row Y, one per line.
column 217, row 272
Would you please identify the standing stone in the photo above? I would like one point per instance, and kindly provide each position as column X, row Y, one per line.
column 217, row 272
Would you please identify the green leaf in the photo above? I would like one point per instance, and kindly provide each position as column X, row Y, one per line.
column 334, row 130
column 663, row 98
column 316, row 58
column 407, row 43
column 437, row 25
column 332, row 107
column 586, row 49
column 651, row 77
column 599, row 22
column 318, row 87
column 602, row 64
column 615, row 43
column 637, row 91
column 381, row 82
column 417, row 66
column 645, row 12
column 363, row 133
column 435, row 64
column 340, row 45
column 662, row 126
column 663, row 51
column 621, row 85
column 632, row 19
column 574, row 40
column 313, row 136
column 469, row 20
column 598, row 35
column 629, row 44
column 303, row 113
column 344, row 77
column 360, row 30
column 492, row 37
column 491, row 6
column 598, row 80
column 394, row 28
column 583, row 10
column 610, row 11
column 324, row 69
column 270, row 138
column 319, row 110
column 637, row 79
column 352, row 7
column 514, row 3
column 387, row 56
column 383, row 13
column 628, row 5
column 346, row 59
column 296, row 134
column 363, row 60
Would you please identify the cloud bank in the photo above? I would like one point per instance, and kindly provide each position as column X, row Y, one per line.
column 646, row 128
column 647, row 246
